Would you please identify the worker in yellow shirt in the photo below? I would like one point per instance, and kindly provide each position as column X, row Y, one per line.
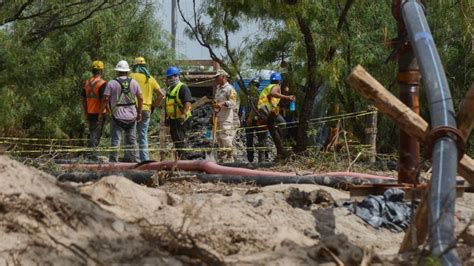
column 152, row 96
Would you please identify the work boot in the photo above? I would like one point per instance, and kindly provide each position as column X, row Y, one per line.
column 250, row 156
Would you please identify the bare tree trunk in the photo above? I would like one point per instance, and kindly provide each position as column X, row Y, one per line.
column 312, row 87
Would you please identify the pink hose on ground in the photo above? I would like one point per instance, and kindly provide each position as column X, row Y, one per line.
column 204, row 166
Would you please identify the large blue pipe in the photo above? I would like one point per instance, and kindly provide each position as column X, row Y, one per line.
column 442, row 194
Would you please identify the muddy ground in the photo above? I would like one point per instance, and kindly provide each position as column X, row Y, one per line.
column 184, row 221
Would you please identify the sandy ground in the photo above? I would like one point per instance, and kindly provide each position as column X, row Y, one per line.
column 179, row 222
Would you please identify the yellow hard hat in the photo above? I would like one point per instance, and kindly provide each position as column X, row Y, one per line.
column 97, row 65
column 139, row 61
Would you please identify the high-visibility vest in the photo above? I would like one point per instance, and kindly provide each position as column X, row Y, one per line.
column 263, row 98
column 174, row 106
column 92, row 87
column 125, row 98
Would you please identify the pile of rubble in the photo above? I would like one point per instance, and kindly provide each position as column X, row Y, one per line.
column 200, row 136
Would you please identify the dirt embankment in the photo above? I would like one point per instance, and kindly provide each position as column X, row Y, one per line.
column 115, row 220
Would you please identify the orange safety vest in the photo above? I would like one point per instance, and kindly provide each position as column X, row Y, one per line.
column 92, row 94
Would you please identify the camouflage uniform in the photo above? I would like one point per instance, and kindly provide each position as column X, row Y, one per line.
column 227, row 119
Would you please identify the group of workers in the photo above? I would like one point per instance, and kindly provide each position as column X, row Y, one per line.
column 130, row 98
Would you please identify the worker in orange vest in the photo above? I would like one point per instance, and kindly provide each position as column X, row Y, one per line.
column 92, row 95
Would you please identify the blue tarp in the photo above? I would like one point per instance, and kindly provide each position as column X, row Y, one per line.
column 263, row 84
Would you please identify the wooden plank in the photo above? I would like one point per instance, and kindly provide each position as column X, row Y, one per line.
column 465, row 116
column 202, row 101
column 361, row 81
column 414, row 125
column 419, row 228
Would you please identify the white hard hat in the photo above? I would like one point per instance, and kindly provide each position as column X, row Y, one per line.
column 122, row 66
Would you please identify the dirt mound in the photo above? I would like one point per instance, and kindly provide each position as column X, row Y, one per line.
column 45, row 222
column 227, row 224
column 183, row 221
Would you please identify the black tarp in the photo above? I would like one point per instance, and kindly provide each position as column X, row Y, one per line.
column 388, row 210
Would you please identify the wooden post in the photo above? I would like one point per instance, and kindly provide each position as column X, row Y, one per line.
column 164, row 130
column 413, row 124
column 371, row 133
column 418, row 228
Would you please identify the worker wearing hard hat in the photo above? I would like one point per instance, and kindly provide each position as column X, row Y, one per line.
column 152, row 97
column 251, row 119
column 124, row 97
column 92, row 95
column 269, row 111
column 178, row 109
column 225, row 105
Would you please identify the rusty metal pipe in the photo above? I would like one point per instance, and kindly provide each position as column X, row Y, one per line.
column 408, row 79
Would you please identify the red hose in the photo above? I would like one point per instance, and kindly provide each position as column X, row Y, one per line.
column 201, row 165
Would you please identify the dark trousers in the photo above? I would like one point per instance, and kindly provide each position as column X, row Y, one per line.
column 261, row 132
column 178, row 134
column 276, row 124
column 95, row 133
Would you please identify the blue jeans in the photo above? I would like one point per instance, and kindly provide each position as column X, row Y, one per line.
column 142, row 131
column 131, row 152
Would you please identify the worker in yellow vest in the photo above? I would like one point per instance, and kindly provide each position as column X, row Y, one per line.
column 152, row 95
column 178, row 109
column 269, row 112
column 92, row 95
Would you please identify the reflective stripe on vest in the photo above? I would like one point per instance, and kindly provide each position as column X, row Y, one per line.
column 92, row 88
column 174, row 106
column 263, row 98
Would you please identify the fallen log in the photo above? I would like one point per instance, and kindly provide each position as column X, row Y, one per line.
column 414, row 125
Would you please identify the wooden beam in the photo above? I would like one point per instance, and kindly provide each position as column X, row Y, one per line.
column 416, row 233
column 202, row 101
column 414, row 125
column 465, row 116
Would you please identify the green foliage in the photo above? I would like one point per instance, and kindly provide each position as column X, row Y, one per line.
column 41, row 81
column 362, row 40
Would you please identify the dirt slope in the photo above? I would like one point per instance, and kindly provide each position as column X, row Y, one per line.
column 44, row 222
column 182, row 221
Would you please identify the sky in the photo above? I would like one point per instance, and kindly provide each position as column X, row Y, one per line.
column 189, row 48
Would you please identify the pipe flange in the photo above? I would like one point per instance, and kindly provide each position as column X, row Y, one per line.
column 445, row 131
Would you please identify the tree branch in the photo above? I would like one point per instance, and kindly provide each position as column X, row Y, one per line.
column 52, row 27
column 231, row 56
column 342, row 19
column 18, row 13
column 198, row 35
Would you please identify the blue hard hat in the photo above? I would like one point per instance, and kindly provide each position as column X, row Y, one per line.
column 173, row 70
column 275, row 76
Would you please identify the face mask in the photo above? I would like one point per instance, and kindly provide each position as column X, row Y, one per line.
column 172, row 82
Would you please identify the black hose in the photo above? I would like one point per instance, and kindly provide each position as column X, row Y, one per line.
column 141, row 177
column 341, row 182
column 442, row 193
